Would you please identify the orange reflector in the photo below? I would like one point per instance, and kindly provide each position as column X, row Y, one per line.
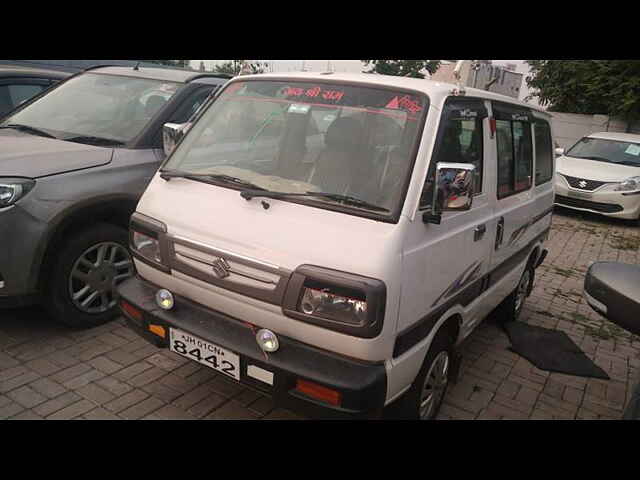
column 157, row 329
column 130, row 310
column 318, row 391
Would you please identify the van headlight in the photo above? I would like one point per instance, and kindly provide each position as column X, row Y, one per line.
column 630, row 184
column 13, row 189
column 146, row 245
column 325, row 303
column 339, row 301
column 145, row 238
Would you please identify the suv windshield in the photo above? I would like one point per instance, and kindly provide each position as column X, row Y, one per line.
column 611, row 151
column 93, row 107
column 299, row 137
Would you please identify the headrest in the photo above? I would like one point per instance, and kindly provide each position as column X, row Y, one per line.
column 344, row 133
column 154, row 103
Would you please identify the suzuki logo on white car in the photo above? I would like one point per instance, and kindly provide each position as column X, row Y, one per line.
column 221, row 267
column 582, row 184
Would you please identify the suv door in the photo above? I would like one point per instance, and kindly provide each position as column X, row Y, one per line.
column 444, row 264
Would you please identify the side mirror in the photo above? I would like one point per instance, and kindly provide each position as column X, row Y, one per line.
column 171, row 135
column 613, row 290
column 559, row 152
column 453, row 189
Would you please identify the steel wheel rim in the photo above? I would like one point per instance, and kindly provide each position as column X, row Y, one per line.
column 523, row 287
column 95, row 274
column 435, row 384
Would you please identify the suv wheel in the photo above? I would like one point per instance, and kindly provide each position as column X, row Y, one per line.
column 81, row 287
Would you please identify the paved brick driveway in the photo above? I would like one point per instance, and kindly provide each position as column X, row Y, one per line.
column 48, row 371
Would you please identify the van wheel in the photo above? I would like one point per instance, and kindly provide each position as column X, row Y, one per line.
column 425, row 397
column 81, row 287
column 511, row 307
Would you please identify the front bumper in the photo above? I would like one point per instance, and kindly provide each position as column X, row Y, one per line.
column 603, row 200
column 20, row 236
column 362, row 385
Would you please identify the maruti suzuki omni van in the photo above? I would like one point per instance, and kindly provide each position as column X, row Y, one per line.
column 330, row 239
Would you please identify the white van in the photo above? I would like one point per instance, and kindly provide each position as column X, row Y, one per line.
column 331, row 238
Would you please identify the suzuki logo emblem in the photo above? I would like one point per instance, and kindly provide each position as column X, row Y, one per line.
column 582, row 184
column 220, row 267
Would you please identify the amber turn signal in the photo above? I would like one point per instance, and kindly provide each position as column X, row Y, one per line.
column 157, row 329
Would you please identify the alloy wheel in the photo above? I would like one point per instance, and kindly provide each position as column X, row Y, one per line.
column 95, row 274
column 435, row 384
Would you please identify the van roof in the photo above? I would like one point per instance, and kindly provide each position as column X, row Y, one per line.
column 158, row 73
column 435, row 90
column 624, row 137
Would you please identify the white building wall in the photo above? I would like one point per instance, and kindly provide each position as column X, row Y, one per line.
column 568, row 128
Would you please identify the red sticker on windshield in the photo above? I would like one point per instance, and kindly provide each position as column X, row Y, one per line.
column 405, row 103
column 314, row 93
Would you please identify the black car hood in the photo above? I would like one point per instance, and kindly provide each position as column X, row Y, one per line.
column 26, row 155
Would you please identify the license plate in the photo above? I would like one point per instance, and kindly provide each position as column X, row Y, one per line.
column 579, row 194
column 206, row 353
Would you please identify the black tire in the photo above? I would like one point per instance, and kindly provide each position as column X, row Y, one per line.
column 58, row 298
column 510, row 308
column 408, row 406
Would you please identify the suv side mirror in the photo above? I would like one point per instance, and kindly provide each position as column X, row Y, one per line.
column 613, row 290
column 453, row 191
column 171, row 135
column 559, row 152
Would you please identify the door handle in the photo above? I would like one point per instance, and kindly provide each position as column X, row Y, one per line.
column 499, row 232
column 479, row 232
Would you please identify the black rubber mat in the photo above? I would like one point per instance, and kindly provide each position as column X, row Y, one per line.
column 551, row 350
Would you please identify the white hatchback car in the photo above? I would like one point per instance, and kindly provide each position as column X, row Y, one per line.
column 601, row 174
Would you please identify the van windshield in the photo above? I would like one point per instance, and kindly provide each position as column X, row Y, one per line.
column 299, row 137
column 93, row 107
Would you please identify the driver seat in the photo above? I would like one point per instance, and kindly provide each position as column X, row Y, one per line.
column 335, row 165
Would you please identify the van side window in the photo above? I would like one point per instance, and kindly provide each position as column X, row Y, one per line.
column 460, row 140
column 544, row 152
column 515, row 153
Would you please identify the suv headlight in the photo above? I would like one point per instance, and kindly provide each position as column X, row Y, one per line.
column 630, row 184
column 145, row 238
column 13, row 189
column 339, row 301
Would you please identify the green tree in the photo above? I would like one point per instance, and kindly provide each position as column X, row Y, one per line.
column 402, row 68
column 234, row 67
column 172, row 63
column 607, row 87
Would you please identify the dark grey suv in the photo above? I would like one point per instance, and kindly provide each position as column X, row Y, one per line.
column 73, row 164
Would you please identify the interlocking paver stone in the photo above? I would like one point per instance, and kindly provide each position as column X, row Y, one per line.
column 27, row 397
column 125, row 401
column 55, row 404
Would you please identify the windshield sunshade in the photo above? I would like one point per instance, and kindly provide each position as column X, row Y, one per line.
column 301, row 137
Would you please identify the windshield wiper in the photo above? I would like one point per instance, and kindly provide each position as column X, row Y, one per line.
column 169, row 174
column 99, row 141
column 346, row 199
column 27, row 128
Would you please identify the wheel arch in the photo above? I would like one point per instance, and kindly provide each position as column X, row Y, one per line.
column 114, row 209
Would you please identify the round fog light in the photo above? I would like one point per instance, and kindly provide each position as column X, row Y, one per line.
column 267, row 340
column 164, row 299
